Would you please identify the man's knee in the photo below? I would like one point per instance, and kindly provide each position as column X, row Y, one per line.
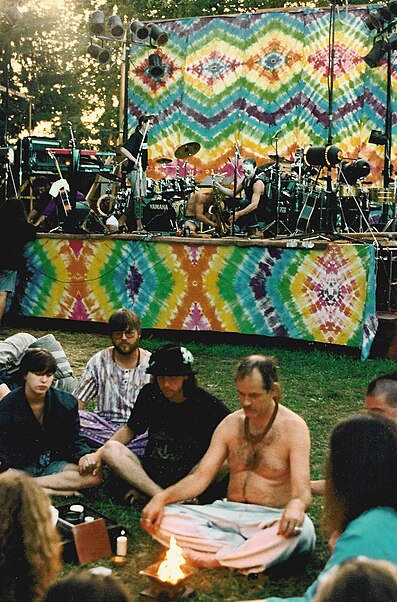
column 113, row 451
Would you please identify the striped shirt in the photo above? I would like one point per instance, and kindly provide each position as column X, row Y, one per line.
column 116, row 388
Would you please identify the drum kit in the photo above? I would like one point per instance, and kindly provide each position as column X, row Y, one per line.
column 166, row 199
column 299, row 194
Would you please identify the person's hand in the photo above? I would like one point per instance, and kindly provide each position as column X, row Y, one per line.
column 152, row 514
column 236, row 217
column 292, row 519
column 90, row 463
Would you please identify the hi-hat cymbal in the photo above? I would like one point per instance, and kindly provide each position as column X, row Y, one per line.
column 163, row 160
column 187, row 150
column 280, row 159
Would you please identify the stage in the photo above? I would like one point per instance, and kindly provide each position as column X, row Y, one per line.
column 305, row 289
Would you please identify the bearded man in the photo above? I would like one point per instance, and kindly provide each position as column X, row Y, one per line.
column 114, row 376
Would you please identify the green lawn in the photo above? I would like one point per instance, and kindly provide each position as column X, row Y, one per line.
column 321, row 387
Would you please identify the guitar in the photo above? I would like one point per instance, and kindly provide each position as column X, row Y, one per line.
column 62, row 190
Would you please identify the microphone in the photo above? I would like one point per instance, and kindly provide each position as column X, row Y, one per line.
column 237, row 151
column 70, row 124
column 276, row 135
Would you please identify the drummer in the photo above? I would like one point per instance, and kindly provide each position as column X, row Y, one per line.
column 196, row 212
column 136, row 151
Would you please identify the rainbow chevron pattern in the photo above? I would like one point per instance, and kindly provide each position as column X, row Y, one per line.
column 325, row 295
column 240, row 79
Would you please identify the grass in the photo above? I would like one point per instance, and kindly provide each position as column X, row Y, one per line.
column 322, row 387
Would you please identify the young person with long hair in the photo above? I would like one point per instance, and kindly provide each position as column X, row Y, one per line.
column 30, row 548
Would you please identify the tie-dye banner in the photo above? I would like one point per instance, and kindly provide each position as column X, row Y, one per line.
column 325, row 295
column 243, row 78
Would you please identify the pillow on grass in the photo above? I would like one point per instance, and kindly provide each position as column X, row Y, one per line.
column 12, row 350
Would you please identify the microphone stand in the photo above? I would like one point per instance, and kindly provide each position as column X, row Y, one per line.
column 139, row 182
column 237, row 156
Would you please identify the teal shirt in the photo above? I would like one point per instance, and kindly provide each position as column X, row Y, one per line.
column 373, row 534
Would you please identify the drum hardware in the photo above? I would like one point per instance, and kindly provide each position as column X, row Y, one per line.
column 187, row 150
column 382, row 195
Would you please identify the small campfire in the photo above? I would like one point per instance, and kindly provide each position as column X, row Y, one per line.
column 168, row 576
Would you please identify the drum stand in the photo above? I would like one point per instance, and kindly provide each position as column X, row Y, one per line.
column 275, row 188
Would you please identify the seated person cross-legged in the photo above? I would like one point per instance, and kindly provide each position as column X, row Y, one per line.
column 360, row 495
column 40, row 431
column 180, row 418
column 114, row 376
column 263, row 520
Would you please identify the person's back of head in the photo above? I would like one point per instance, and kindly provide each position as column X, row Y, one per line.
column 83, row 586
column 362, row 468
column 385, row 386
column 30, row 549
column 359, row 580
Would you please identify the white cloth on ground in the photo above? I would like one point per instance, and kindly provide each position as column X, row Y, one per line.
column 237, row 535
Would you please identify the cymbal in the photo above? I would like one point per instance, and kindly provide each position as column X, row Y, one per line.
column 280, row 159
column 187, row 150
column 163, row 160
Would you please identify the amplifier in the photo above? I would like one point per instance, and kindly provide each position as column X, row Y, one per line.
column 32, row 155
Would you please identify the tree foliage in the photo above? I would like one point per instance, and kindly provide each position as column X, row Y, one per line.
column 48, row 61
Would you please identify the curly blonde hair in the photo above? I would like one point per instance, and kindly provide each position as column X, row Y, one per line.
column 30, row 548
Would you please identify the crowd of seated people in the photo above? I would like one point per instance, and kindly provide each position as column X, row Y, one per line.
column 170, row 440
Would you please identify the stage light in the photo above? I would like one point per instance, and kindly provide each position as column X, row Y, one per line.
column 392, row 40
column 353, row 171
column 156, row 68
column 116, row 27
column 157, row 35
column 393, row 7
column 97, row 23
column 377, row 137
column 102, row 55
column 139, row 31
column 376, row 54
column 9, row 19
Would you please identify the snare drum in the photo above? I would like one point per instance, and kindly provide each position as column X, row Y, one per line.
column 382, row 195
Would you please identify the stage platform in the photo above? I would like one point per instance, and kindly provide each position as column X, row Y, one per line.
column 308, row 288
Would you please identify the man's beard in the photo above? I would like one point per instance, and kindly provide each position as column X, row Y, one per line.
column 132, row 347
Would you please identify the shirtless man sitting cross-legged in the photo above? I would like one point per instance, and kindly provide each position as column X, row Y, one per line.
column 263, row 520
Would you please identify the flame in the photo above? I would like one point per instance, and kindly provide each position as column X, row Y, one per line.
column 170, row 569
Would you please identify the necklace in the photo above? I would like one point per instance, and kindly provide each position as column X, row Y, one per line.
column 253, row 460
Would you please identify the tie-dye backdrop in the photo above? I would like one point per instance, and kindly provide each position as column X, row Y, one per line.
column 242, row 78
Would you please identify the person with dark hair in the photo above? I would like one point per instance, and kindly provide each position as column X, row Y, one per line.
column 114, row 376
column 30, row 547
column 359, row 580
column 84, row 586
column 39, row 429
column 361, row 494
column 381, row 396
column 263, row 520
column 180, row 418
column 136, row 151
column 380, row 399
column 247, row 216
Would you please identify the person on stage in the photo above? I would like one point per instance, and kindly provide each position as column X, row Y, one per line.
column 136, row 151
column 247, row 216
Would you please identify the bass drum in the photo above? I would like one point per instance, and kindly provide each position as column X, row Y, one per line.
column 159, row 216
